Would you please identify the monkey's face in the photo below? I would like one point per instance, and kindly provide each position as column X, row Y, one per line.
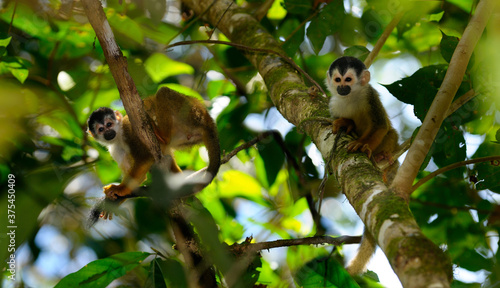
column 346, row 76
column 104, row 124
column 347, row 83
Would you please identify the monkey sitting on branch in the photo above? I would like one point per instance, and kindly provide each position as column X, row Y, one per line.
column 178, row 122
column 356, row 107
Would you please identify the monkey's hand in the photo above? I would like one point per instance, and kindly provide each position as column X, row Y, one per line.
column 348, row 124
column 361, row 146
column 114, row 192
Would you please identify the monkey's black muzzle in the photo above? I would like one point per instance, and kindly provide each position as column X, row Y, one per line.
column 344, row 90
column 109, row 135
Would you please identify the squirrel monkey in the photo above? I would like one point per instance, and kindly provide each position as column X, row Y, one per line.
column 357, row 107
column 178, row 121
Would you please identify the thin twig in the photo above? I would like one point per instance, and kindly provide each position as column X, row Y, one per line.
column 383, row 38
column 315, row 240
column 244, row 47
column 448, row 207
column 185, row 27
column 12, row 18
column 461, row 101
column 217, row 24
column 453, row 166
column 301, row 25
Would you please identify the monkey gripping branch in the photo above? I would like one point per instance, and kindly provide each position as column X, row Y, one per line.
column 414, row 258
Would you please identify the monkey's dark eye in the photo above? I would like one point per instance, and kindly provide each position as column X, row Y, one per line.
column 109, row 124
column 337, row 79
column 348, row 79
column 101, row 129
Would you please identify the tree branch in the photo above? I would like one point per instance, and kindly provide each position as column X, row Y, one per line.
column 451, row 167
column 125, row 84
column 249, row 48
column 434, row 118
column 247, row 247
column 383, row 38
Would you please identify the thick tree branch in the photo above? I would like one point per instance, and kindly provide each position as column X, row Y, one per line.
column 125, row 84
column 414, row 258
column 434, row 118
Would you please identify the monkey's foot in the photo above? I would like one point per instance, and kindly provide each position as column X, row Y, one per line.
column 113, row 192
column 348, row 124
column 357, row 145
column 106, row 215
column 384, row 155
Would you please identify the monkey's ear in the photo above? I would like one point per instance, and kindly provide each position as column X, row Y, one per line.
column 118, row 115
column 365, row 77
column 328, row 80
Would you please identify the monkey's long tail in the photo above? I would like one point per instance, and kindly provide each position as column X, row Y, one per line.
column 213, row 147
column 365, row 252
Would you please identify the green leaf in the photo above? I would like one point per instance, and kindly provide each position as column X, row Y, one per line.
column 373, row 23
column 420, row 88
column 276, row 12
column 174, row 273
column 298, row 7
column 183, row 90
column 238, row 184
column 358, row 51
column 230, row 124
column 415, row 13
column 448, row 45
column 124, row 26
column 159, row 66
column 5, row 42
column 436, row 17
column 324, row 272
column 21, row 74
column 220, row 87
column 450, row 147
column 327, row 22
column 160, row 32
column 488, row 173
column 293, row 41
column 155, row 276
column 16, row 66
column 273, row 157
column 466, row 5
column 473, row 261
column 100, row 273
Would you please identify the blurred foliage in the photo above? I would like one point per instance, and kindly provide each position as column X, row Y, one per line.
column 53, row 75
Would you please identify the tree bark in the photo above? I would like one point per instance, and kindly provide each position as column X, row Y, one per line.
column 416, row 260
column 119, row 69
